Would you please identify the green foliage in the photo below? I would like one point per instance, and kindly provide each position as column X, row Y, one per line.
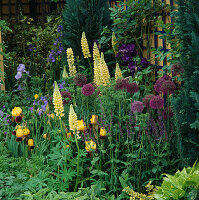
column 186, row 103
column 133, row 21
column 182, row 185
column 30, row 44
column 89, row 16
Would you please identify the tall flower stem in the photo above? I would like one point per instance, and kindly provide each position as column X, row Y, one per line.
column 78, row 159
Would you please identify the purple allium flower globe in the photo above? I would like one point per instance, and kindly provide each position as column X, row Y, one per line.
column 137, row 106
column 159, row 82
column 167, row 87
column 177, row 69
column 88, row 89
column 80, row 80
column 156, row 102
column 121, row 84
column 66, row 97
column 146, row 100
column 132, row 88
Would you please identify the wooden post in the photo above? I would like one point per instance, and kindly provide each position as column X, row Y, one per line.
column 1, row 67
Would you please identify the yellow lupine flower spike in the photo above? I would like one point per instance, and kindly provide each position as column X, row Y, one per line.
column 71, row 61
column 97, row 73
column 72, row 119
column 85, row 48
column 96, row 53
column 118, row 72
column 65, row 74
column 57, row 101
column 104, row 71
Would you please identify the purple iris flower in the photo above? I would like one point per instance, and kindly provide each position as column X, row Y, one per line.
column 1, row 113
column 19, row 87
column 31, row 109
column 18, row 75
column 61, row 85
column 43, row 107
column 40, row 111
column 21, row 68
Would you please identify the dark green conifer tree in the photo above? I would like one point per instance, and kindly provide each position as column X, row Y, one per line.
column 89, row 16
column 186, row 104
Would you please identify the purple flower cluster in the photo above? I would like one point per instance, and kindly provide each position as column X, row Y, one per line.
column 88, row 89
column 132, row 88
column 156, row 102
column 137, row 106
column 31, row 48
column 146, row 100
column 165, row 85
column 20, row 70
column 80, row 80
column 61, row 85
column 177, row 69
column 58, row 46
column 44, row 102
column 123, row 84
column 144, row 63
column 127, row 52
column 4, row 117
column 67, row 97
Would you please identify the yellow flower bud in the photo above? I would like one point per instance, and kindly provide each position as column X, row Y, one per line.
column 71, row 61
column 36, row 96
column 45, row 136
column 19, row 132
column 81, row 125
column 57, row 101
column 52, row 115
column 94, row 119
column 30, row 143
column 69, row 135
column 72, row 119
column 16, row 111
column 105, row 76
column 90, row 145
column 118, row 73
column 102, row 133
column 65, row 74
column 26, row 131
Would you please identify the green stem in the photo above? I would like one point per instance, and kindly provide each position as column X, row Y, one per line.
column 78, row 158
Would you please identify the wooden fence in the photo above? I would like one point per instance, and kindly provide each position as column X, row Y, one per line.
column 1, row 67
